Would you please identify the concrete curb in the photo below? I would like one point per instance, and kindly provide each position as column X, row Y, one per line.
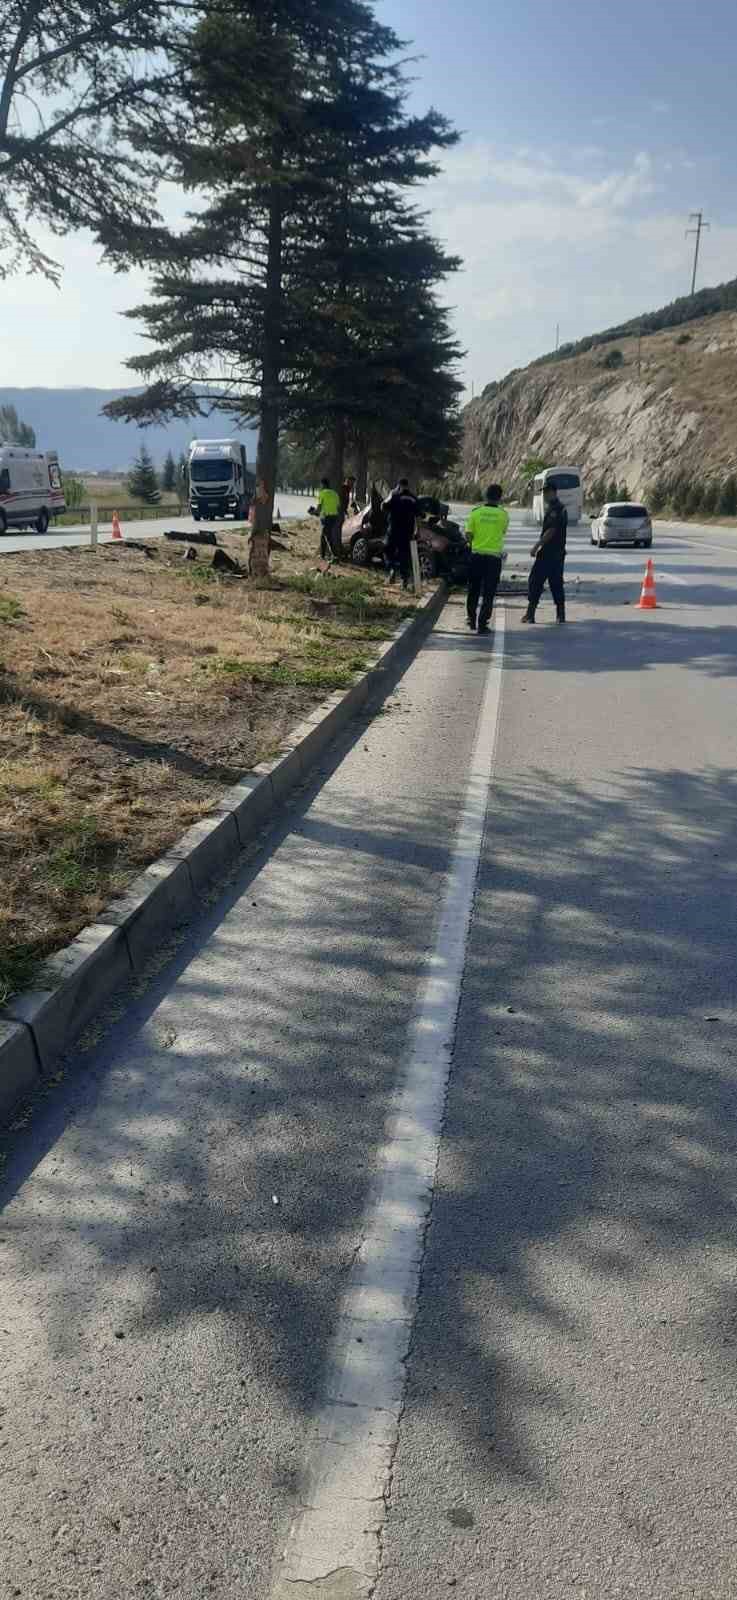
column 40, row 1025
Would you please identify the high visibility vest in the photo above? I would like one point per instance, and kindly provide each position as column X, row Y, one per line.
column 487, row 528
column 328, row 503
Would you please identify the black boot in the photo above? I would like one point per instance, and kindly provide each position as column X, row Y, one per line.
column 529, row 615
column 560, row 612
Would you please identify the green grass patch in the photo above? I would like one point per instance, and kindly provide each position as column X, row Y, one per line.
column 72, row 866
column 320, row 675
column 11, row 609
column 18, row 969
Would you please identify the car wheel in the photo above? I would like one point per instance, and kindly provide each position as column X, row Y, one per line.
column 195, row 516
column 42, row 521
column 601, row 543
column 647, row 544
column 360, row 553
column 3, row 522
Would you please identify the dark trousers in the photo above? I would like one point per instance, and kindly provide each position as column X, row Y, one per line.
column 330, row 542
column 484, row 573
column 546, row 569
column 398, row 555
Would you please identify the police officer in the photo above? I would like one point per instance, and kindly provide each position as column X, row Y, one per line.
column 328, row 509
column 549, row 557
column 401, row 509
column 486, row 530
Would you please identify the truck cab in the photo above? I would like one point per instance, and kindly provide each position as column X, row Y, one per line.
column 220, row 484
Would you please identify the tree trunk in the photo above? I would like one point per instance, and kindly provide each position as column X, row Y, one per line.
column 362, row 466
column 337, row 454
column 268, row 433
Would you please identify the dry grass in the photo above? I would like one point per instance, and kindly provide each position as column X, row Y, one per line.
column 132, row 691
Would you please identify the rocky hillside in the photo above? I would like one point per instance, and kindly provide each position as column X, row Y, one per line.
column 672, row 415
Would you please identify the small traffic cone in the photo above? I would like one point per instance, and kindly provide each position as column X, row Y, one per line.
column 647, row 600
column 117, row 534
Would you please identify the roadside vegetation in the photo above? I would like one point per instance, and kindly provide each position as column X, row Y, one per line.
column 133, row 691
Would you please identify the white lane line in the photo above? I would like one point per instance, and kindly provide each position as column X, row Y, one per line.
column 335, row 1540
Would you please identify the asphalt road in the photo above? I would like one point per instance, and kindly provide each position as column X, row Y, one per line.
column 146, row 528
column 182, row 1216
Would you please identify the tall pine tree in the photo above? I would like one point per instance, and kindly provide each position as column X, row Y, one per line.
column 235, row 318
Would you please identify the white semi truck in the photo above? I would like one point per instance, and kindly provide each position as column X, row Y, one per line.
column 220, row 484
column 31, row 490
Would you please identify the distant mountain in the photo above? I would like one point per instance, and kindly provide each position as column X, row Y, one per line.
column 70, row 421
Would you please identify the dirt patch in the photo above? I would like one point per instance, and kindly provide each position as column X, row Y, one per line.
column 133, row 690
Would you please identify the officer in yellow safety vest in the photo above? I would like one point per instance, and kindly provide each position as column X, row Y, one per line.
column 486, row 530
column 328, row 509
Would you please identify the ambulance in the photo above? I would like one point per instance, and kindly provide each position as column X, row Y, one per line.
column 31, row 489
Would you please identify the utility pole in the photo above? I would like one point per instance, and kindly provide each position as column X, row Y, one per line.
column 557, row 336
column 639, row 350
column 698, row 218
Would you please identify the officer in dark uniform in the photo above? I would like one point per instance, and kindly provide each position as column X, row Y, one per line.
column 549, row 558
column 401, row 509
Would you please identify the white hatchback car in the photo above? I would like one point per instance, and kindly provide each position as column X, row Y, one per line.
column 622, row 522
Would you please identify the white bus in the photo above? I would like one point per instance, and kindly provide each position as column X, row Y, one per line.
column 567, row 481
column 31, row 490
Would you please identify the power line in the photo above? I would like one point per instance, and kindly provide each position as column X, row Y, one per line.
column 698, row 218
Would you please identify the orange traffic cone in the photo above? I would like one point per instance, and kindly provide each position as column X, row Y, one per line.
column 116, row 526
column 647, row 600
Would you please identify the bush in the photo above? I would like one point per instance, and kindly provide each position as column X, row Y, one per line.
column 612, row 359
column 710, row 498
column 74, row 491
column 612, row 490
column 683, row 338
column 693, row 498
column 596, row 494
column 624, row 493
column 656, row 497
column 679, row 495
column 728, row 497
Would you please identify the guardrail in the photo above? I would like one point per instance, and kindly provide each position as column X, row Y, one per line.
column 132, row 513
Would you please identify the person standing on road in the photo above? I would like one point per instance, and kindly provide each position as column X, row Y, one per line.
column 401, row 509
column 549, row 558
column 486, row 531
column 328, row 510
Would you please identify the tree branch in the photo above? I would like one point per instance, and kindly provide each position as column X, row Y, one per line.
column 21, row 38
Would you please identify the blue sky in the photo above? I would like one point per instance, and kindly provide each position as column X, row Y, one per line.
column 591, row 130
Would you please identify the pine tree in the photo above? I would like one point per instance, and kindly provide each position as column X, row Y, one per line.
column 13, row 431
column 142, row 480
column 240, row 291
column 169, row 474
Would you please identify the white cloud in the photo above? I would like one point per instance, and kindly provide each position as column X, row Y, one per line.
column 577, row 239
column 545, row 242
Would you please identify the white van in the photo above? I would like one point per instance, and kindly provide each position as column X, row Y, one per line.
column 567, row 482
column 31, row 490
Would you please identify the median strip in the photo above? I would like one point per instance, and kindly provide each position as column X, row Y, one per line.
column 152, row 717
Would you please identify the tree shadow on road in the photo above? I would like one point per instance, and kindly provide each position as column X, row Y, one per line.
column 584, row 1212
